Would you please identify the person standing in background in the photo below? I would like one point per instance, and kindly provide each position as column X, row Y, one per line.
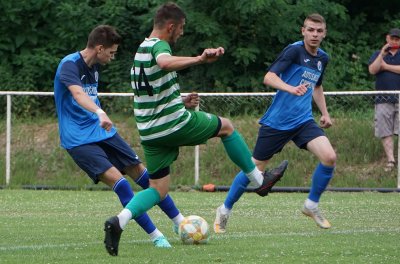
column 385, row 65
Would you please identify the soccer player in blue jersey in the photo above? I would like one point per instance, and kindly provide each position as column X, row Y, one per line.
column 297, row 75
column 385, row 65
column 88, row 134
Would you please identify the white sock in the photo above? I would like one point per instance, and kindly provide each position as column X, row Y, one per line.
column 124, row 217
column 155, row 234
column 256, row 177
column 310, row 204
column 178, row 219
column 225, row 210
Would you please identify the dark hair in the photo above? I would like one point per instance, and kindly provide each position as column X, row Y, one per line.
column 103, row 35
column 168, row 11
column 315, row 17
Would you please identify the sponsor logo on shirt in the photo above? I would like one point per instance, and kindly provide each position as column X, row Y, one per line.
column 310, row 76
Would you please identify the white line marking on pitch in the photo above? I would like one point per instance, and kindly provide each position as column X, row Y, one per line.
column 214, row 237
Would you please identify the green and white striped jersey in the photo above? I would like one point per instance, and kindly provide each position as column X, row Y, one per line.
column 158, row 106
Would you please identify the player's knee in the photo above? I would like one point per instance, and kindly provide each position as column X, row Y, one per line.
column 162, row 191
column 330, row 159
column 226, row 127
column 160, row 181
column 134, row 171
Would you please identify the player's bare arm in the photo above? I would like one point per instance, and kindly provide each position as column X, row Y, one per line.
column 273, row 80
column 319, row 98
column 84, row 100
column 175, row 63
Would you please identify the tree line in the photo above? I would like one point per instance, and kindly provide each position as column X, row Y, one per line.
column 36, row 34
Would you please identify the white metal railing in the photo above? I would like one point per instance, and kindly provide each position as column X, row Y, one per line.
column 8, row 94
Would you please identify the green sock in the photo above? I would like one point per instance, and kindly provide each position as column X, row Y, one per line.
column 143, row 201
column 238, row 151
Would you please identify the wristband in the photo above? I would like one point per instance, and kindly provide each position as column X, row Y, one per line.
column 100, row 111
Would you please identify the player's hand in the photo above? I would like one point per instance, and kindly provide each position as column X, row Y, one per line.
column 385, row 49
column 325, row 122
column 299, row 90
column 105, row 121
column 192, row 100
column 212, row 54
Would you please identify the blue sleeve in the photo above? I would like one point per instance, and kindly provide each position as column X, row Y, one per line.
column 319, row 82
column 285, row 59
column 69, row 74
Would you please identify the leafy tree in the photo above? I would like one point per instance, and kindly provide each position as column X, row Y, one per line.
column 38, row 33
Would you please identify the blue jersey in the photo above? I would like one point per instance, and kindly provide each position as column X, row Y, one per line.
column 295, row 66
column 76, row 125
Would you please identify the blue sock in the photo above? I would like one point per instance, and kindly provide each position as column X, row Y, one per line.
column 320, row 180
column 238, row 187
column 143, row 180
column 124, row 191
column 167, row 205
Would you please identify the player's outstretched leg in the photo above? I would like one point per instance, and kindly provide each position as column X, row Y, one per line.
column 161, row 242
column 320, row 180
column 270, row 178
column 113, row 233
column 315, row 214
column 167, row 204
column 237, row 189
column 221, row 219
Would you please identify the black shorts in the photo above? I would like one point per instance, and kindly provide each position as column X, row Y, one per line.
column 271, row 141
column 96, row 158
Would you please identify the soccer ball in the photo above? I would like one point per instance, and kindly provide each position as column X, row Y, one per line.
column 194, row 230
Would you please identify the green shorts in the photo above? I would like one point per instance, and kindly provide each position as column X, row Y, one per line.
column 162, row 152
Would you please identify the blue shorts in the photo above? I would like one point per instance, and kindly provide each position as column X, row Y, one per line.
column 96, row 158
column 271, row 141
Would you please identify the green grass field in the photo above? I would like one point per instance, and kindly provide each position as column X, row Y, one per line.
column 67, row 227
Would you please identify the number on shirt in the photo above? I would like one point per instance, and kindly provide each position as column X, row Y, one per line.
column 143, row 77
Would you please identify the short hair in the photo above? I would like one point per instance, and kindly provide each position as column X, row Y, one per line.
column 168, row 11
column 315, row 17
column 103, row 35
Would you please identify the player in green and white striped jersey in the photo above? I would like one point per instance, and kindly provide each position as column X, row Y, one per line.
column 165, row 121
column 159, row 109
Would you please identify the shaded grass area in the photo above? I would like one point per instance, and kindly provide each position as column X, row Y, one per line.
column 37, row 158
column 66, row 227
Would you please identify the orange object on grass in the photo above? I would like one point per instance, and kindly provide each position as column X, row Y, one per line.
column 209, row 187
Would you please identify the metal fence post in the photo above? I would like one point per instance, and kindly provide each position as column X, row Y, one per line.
column 8, row 141
column 196, row 160
column 398, row 145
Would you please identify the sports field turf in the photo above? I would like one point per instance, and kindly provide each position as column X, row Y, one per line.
column 67, row 227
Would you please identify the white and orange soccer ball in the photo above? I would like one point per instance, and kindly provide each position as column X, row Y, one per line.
column 194, row 230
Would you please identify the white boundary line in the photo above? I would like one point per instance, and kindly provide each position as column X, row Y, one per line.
column 232, row 235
